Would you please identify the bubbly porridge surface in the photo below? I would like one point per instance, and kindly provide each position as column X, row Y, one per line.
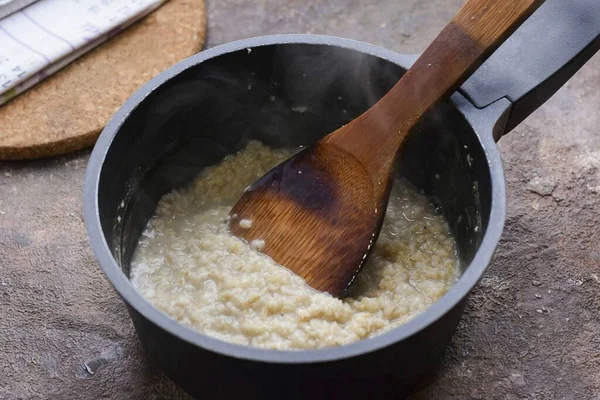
column 189, row 266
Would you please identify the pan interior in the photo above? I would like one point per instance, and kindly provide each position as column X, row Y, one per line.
column 282, row 95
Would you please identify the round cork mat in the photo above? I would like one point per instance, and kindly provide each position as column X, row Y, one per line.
column 68, row 110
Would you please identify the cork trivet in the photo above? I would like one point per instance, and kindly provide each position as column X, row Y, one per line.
column 68, row 110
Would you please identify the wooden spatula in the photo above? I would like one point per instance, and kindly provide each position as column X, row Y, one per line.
column 320, row 212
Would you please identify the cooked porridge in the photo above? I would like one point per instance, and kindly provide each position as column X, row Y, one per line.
column 189, row 266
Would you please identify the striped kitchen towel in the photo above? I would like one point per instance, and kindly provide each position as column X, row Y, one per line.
column 44, row 37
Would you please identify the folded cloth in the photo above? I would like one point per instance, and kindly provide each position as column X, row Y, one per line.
column 8, row 7
column 49, row 34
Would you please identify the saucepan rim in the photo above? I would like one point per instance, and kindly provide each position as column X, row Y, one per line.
column 134, row 299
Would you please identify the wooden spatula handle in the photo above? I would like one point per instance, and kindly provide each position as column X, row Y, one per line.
column 478, row 28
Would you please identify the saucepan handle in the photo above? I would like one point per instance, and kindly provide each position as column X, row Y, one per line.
column 538, row 58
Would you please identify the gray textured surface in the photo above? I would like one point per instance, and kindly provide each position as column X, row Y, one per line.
column 532, row 328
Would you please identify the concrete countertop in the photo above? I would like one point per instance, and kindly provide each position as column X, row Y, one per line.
column 531, row 328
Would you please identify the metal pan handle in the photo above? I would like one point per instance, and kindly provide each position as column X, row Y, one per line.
column 543, row 54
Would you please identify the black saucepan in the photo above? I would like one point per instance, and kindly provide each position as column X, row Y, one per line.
column 209, row 105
